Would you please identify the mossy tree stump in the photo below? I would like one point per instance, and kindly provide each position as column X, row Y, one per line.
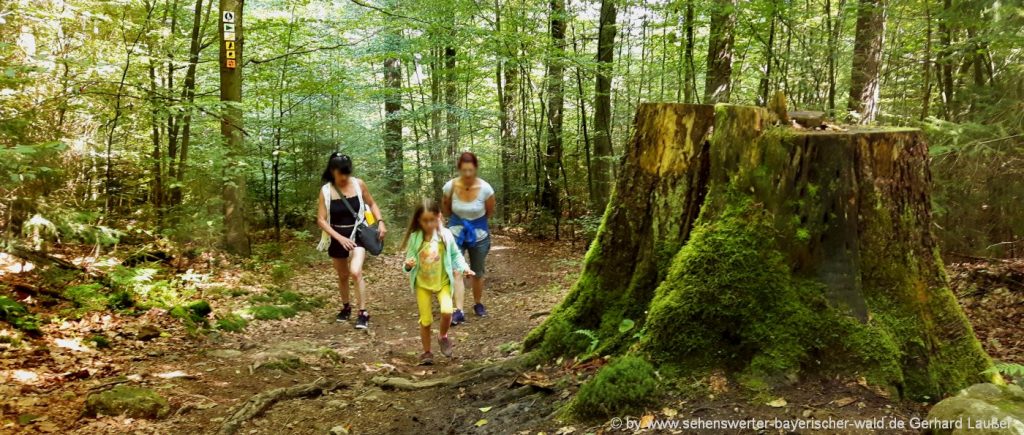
column 771, row 252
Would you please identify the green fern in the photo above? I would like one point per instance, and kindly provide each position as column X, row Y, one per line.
column 594, row 342
column 1016, row 371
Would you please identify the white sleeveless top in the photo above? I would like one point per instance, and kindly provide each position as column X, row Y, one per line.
column 472, row 209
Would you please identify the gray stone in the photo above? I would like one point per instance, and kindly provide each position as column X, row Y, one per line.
column 225, row 353
column 980, row 409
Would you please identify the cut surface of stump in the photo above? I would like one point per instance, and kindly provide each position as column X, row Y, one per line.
column 772, row 252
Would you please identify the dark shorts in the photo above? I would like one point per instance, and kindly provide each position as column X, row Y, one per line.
column 477, row 255
column 335, row 250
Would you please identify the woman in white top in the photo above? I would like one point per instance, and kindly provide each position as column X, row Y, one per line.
column 468, row 202
column 337, row 222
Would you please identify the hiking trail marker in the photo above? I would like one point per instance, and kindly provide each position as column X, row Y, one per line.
column 228, row 37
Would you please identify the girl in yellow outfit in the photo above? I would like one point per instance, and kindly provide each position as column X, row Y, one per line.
column 434, row 263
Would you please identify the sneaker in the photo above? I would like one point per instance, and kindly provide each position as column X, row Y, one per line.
column 363, row 321
column 446, row 345
column 480, row 310
column 345, row 313
column 458, row 318
column 426, row 359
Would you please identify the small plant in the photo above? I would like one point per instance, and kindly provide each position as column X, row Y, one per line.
column 1015, row 371
column 594, row 342
column 98, row 341
column 281, row 273
column 18, row 316
column 231, row 322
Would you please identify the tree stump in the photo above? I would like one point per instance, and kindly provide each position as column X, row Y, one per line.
column 771, row 252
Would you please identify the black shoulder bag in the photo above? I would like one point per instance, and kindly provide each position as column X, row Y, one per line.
column 367, row 235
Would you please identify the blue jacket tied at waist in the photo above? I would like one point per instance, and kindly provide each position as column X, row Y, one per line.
column 467, row 237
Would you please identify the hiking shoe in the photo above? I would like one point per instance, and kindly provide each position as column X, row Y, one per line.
column 363, row 321
column 480, row 310
column 345, row 313
column 426, row 359
column 446, row 345
column 458, row 318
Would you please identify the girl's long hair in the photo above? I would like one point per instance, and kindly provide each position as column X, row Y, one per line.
column 425, row 205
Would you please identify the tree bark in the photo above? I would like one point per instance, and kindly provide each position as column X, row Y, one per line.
column 718, row 82
column 188, row 97
column 236, row 233
column 554, row 83
column 867, row 61
column 771, row 252
column 393, row 125
column 601, row 169
column 451, row 102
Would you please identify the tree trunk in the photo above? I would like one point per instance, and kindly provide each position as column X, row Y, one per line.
column 507, row 75
column 188, row 96
column 236, row 234
column 771, row 252
column 601, row 169
column 393, row 125
column 867, row 61
column 556, row 99
column 718, row 82
column 451, row 102
column 438, row 165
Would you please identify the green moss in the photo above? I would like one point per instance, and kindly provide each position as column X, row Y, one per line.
column 194, row 314
column 99, row 341
column 272, row 312
column 231, row 322
column 626, row 384
column 128, row 401
column 18, row 316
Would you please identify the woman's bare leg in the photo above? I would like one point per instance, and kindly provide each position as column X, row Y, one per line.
column 355, row 270
column 460, row 290
column 341, row 266
column 478, row 288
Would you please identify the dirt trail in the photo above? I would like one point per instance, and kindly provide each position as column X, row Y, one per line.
column 524, row 278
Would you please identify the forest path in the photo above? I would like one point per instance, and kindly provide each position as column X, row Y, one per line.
column 524, row 277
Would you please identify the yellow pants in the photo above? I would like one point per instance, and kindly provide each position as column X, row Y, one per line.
column 444, row 300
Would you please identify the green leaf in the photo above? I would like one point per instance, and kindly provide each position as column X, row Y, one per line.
column 626, row 325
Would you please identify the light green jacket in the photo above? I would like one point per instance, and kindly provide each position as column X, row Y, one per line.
column 453, row 260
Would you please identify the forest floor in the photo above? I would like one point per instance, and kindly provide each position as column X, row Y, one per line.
column 205, row 376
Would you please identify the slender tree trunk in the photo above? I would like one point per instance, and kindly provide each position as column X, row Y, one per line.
column 393, row 125
column 156, row 196
column 867, row 61
column 188, row 97
column 926, row 75
column 451, row 101
column 236, row 233
column 508, row 82
column 766, row 80
column 600, row 170
column 438, row 167
column 582, row 127
column 553, row 156
column 690, row 89
column 718, row 82
column 946, row 63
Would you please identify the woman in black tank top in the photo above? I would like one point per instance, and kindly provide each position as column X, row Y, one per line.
column 338, row 221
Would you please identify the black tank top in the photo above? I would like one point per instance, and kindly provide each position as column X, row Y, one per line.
column 340, row 216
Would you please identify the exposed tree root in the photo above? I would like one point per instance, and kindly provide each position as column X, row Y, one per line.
column 478, row 374
column 259, row 403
